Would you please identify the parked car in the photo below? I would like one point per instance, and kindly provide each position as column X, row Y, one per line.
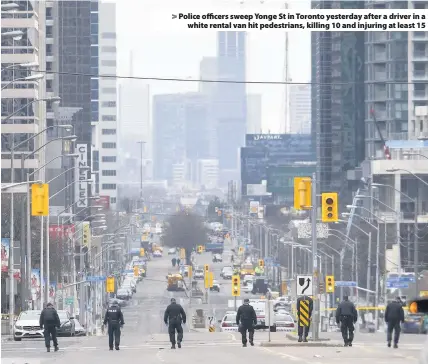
column 123, row 293
column 228, row 323
column 284, row 322
column 121, row 302
column 415, row 324
column 27, row 325
column 79, row 330
column 157, row 254
column 215, row 287
column 172, row 251
column 67, row 327
column 227, row 272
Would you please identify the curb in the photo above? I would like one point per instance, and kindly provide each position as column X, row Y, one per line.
column 294, row 338
column 314, row 344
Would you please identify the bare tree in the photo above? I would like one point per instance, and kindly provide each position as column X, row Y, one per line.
column 185, row 230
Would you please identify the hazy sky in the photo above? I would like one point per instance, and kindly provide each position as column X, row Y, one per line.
column 170, row 54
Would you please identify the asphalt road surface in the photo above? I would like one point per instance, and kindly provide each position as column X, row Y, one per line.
column 145, row 337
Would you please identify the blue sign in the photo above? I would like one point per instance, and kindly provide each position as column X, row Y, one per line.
column 397, row 284
column 95, row 278
column 406, row 279
column 345, row 284
column 268, row 259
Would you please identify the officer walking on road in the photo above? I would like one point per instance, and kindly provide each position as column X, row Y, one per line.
column 394, row 316
column 347, row 316
column 246, row 319
column 173, row 317
column 302, row 330
column 49, row 321
column 115, row 321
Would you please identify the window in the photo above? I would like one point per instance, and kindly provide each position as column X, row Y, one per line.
column 94, row 28
column 49, row 66
column 48, row 13
column 108, row 90
column 108, row 63
column 108, row 104
column 94, row 84
column 94, row 5
column 94, row 106
column 109, row 172
column 108, row 118
column 108, row 49
column 108, row 186
column 49, row 51
column 109, row 159
column 49, row 31
column 94, row 50
column 109, row 145
column 94, row 94
column 108, row 35
column 49, row 87
column 112, row 199
column 109, row 131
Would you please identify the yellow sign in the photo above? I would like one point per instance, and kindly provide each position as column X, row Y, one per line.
column 110, row 284
column 302, row 193
column 211, row 329
column 182, row 253
column 142, row 252
column 423, row 293
column 86, row 233
column 304, row 317
column 40, row 199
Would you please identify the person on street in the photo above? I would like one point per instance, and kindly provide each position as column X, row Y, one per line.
column 246, row 319
column 115, row 321
column 178, row 261
column 49, row 321
column 347, row 316
column 394, row 316
column 302, row 330
column 173, row 317
column 174, row 261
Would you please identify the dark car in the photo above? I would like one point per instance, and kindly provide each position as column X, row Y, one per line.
column 414, row 324
column 68, row 327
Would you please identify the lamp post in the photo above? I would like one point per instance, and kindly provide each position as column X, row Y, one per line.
column 35, row 77
column 415, row 237
column 21, row 65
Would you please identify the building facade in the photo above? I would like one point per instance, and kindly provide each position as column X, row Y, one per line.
column 254, row 114
column 22, row 114
column 300, row 109
column 207, row 173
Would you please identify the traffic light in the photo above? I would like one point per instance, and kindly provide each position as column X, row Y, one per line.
column 321, row 288
column 142, row 252
column 261, row 263
column 200, row 249
column 136, row 271
column 329, row 207
column 206, row 268
column 40, row 199
column 302, row 193
column 241, row 249
column 86, row 233
column 329, row 284
column 236, row 286
column 110, row 284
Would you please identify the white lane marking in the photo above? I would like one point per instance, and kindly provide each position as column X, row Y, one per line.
column 232, row 336
column 287, row 356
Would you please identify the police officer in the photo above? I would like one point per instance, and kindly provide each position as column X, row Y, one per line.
column 303, row 331
column 246, row 319
column 114, row 318
column 347, row 316
column 173, row 317
column 394, row 316
column 49, row 320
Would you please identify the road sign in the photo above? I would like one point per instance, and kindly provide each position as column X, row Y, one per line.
column 110, row 285
column 69, row 300
column 397, row 284
column 304, row 286
column 401, row 279
column 95, row 278
column 345, row 284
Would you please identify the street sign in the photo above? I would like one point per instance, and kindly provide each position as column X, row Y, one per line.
column 397, row 284
column 95, row 278
column 345, row 284
column 304, row 286
column 69, row 301
column 408, row 279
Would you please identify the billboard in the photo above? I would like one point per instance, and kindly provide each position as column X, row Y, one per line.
column 82, row 188
column 104, row 201
column 61, row 231
column 5, row 244
column 86, row 233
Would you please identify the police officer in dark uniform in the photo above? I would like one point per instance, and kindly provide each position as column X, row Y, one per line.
column 303, row 331
column 394, row 316
column 173, row 317
column 246, row 319
column 49, row 320
column 114, row 318
column 347, row 316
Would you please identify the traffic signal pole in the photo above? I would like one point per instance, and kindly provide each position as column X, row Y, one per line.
column 315, row 273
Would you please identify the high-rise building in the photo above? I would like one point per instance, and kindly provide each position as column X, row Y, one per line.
column 208, row 71
column 106, row 127
column 300, row 109
column 22, row 109
column 337, row 94
column 231, row 99
column 254, row 114
column 207, row 173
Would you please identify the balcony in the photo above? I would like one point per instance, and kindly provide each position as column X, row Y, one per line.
column 421, row 75
column 420, row 56
column 420, row 95
column 420, row 36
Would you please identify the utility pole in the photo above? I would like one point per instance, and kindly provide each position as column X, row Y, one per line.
column 287, row 78
column 416, row 249
column 141, row 169
column 315, row 273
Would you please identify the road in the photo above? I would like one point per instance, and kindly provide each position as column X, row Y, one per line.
column 145, row 336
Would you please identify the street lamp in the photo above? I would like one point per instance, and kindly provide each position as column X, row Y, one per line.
column 35, row 77
column 415, row 154
column 51, row 99
column 392, row 170
column 13, row 34
column 9, row 7
column 21, row 65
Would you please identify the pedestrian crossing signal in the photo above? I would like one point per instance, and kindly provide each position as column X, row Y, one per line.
column 329, row 284
column 236, row 286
